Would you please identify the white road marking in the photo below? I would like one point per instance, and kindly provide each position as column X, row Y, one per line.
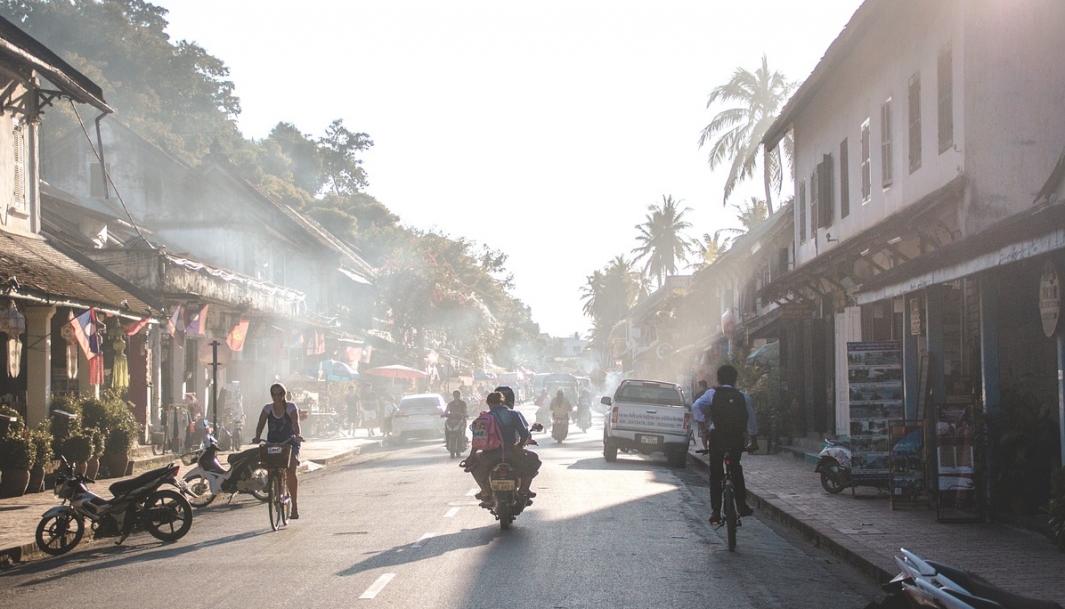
column 425, row 538
column 473, row 491
column 377, row 586
column 451, row 513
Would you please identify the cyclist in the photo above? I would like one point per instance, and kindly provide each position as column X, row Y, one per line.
column 283, row 418
column 729, row 413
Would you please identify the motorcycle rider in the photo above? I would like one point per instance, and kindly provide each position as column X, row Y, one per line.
column 543, row 408
column 515, row 437
column 584, row 405
column 561, row 407
column 456, row 409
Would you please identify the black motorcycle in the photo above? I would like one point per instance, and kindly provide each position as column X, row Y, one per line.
column 559, row 427
column 139, row 501
column 507, row 502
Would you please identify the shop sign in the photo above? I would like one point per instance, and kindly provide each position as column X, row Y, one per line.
column 915, row 317
column 1049, row 298
column 796, row 310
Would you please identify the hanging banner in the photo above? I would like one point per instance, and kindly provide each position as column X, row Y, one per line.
column 874, row 372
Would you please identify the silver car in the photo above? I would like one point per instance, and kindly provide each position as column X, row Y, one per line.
column 419, row 415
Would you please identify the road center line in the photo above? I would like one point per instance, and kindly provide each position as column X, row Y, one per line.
column 451, row 513
column 472, row 492
column 425, row 538
column 377, row 586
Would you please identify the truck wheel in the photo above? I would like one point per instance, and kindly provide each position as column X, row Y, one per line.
column 677, row 457
column 610, row 451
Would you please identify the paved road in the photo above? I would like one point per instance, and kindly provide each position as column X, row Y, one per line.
column 399, row 528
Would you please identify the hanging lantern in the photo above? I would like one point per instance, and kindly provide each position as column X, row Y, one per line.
column 72, row 347
column 13, row 324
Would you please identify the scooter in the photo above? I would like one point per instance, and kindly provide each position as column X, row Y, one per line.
column 584, row 418
column 559, row 427
column 455, row 435
column 834, row 465
column 926, row 583
column 164, row 513
column 208, row 479
column 543, row 416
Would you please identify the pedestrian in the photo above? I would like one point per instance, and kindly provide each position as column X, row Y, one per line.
column 283, row 418
column 697, row 414
column 369, row 413
column 354, row 409
column 386, row 409
column 729, row 413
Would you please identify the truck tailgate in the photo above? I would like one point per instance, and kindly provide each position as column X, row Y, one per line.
column 660, row 419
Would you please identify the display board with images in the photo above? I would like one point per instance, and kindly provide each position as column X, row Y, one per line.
column 957, row 499
column 874, row 374
column 907, row 484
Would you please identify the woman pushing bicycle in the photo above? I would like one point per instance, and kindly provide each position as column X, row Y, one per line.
column 283, row 418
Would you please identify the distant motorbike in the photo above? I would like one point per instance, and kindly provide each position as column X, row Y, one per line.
column 834, row 465
column 543, row 416
column 209, row 479
column 925, row 583
column 455, row 435
column 559, row 427
column 584, row 418
column 164, row 513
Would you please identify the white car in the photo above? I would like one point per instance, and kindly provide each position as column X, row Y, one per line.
column 419, row 416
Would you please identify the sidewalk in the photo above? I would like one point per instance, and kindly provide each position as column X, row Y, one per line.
column 19, row 515
column 865, row 532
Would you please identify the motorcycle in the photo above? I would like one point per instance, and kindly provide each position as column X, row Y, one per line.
column 164, row 513
column 455, row 435
column 231, row 434
column 507, row 502
column 584, row 418
column 209, row 479
column 834, row 465
column 543, row 416
column 559, row 427
column 926, row 583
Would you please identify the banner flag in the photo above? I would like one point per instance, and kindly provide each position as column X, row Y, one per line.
column 134, row 327
column 198, row 322
column 236, row 337
column 84, row 328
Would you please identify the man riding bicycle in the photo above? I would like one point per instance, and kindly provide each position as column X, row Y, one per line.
column 729, row 414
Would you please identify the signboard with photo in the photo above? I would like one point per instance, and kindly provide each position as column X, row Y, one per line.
column 957, row 500
column 874, row 374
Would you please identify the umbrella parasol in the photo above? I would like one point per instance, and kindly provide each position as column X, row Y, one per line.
column 333, row 370
column 396, row 371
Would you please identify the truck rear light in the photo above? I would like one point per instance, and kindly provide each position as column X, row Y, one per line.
column 614, row 415
column 687, row 421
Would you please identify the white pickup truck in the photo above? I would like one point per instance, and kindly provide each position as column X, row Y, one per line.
column 647, row 417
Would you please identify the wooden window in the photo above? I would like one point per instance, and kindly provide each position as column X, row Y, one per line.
column 915, row 122
column 825, row 202
column 945, row 97
column 867, row 178
column 844, row 181
column 18, row 140
column 802, row 212
column 887, row 168
column 815, row 196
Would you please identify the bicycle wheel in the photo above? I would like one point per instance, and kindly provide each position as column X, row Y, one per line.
column 728, row 501
column 274, row 503
column 286, row 500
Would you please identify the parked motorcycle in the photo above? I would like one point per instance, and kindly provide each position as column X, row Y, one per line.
column 209, row 479
column 164, row 513
column 231, row 434
column 834, row 465
column 559, row 427
column 455, row 435
column 926, row 583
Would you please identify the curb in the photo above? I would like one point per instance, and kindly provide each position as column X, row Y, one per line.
column 812, row 534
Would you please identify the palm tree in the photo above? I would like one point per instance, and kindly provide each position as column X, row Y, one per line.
column 739, row 130
column 712, row 247
column 662, row 241
column 608, row 294
column 752, row 213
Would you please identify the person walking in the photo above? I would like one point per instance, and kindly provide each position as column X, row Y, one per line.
column 729, row 413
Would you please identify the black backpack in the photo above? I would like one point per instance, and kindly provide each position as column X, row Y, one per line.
column 728, row 413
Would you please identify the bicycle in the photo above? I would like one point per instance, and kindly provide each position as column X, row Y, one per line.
column 731, row 518
column 275, row 458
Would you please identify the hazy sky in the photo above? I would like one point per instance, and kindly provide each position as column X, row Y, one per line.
column 542, row 129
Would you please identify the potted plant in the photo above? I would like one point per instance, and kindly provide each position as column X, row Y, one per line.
column 99, row 442
column 16, row 458
column 42, row 457
column 119, row 445
column 77, row 448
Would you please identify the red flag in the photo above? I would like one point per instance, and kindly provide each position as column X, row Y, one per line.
column 134, row 327
column 96, row 370
column 319, row 342
column 236, row 337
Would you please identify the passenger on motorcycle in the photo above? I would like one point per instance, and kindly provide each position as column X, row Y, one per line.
column 515, row 435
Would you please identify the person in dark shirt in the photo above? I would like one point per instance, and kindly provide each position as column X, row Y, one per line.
column 514, row 435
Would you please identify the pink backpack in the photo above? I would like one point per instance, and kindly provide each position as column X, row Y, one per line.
column 486, row 432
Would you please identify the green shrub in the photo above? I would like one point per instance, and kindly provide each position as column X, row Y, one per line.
column 76, row 447
column 1056, row 507
column 99, row 442
column 16, row 452
column 61, row 427
column 42, row 445
column 17, row 427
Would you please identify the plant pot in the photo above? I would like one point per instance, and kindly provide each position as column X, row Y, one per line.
column 36, row 484
column 92, row 468
column 115, row 465
column 81, row 467
column 13, row 482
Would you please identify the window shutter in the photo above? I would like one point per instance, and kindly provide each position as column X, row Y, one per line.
column 19, row 155
column 886, row 167
column 867, row 181
column 802, row 212
column 915, row 122
column 815, row 195
column 844, row 181
column 826, row 204
column 945, row 98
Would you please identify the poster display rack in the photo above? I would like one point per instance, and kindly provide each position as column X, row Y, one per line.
column 874, row 374
column 958, row 498
column 907, row 485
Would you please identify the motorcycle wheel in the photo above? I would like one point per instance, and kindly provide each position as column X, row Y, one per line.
column 505, row 517
column 167, row 515
column 830, row 479
column 54, row 534
column 199, row 491
column 263, row 477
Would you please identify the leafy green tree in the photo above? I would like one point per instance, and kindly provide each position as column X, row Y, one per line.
column 662, row 239
column 339, row 150
column 739, row 130
column 608, row 294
